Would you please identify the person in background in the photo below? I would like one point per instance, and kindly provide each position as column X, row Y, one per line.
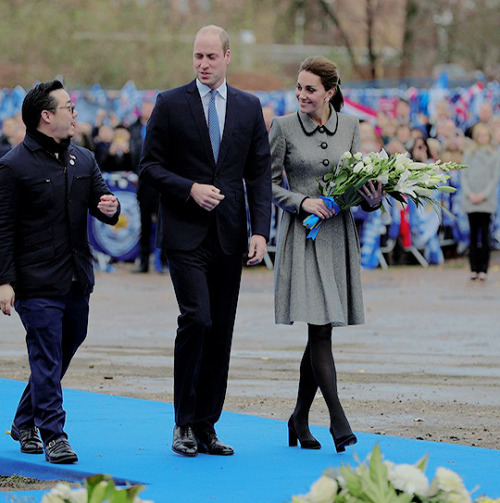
column 403, row 134
column 479, row 196
column 316, row 281
column 369, row 141
column 268, row 113
column 204, row 143
column 403, row 111
column 147, row 196
column 102, row 142
column 485, row 115
column 118, row 156
column 435, row 148
column 12, row 135
column 83, row 135
column 47, row 189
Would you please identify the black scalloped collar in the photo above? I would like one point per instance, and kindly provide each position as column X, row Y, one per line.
column 309, row 126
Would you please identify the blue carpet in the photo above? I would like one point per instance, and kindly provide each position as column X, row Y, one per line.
column 130, row 440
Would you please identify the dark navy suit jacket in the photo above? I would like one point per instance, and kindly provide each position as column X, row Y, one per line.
column 177, row 152
column 44, row 205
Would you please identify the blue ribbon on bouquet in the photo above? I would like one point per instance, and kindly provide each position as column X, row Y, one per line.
column 313, row 222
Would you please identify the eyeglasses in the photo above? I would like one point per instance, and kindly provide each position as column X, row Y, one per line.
column 70, row 108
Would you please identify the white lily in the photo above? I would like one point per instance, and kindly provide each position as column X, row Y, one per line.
column 418, row 165
column 383, row 178
column 368, row 169
column 383, row 154
column 422, row 191
column 358, row 167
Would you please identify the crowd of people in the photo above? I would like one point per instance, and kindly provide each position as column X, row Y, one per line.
column 219, row 166
column 117, row 148
column 437, row 137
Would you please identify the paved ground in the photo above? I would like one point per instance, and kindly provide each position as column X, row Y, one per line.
column 425, row 365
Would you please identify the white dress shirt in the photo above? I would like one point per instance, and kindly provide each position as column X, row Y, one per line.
column 220, row 102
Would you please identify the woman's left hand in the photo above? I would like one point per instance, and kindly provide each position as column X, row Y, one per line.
column 371, row 194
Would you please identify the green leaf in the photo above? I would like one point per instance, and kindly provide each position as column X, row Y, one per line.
column 421, row 464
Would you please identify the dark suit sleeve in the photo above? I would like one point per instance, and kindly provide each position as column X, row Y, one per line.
column 99, row 188
column 8, row 205
column 257, row 176
column 154, row 165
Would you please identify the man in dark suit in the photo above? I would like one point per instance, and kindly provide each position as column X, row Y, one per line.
column 204, row 141
column 47, row 188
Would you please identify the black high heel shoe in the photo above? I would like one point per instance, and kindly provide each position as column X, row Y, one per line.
column 343, row 442
column 309, row 443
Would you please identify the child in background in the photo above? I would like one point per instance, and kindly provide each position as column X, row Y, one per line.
column 479, row 196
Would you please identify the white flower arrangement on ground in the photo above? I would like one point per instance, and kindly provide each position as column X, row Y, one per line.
column 400, row 176
column 99, row 489
column 378, row 481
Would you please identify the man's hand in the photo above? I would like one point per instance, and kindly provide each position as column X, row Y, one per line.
column 7, row 297
column 206, row 196
column 316, row 206
column 108, row 205
column 257, row 249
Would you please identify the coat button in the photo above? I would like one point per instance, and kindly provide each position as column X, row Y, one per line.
column 326, row 162
column 324, row 145
column 321, row 129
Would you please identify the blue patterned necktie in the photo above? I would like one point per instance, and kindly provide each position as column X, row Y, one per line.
column 213, row 125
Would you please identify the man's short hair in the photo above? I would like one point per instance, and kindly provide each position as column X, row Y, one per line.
column 217, row 30
column 37, row 100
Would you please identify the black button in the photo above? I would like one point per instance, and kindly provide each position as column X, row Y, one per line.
column 326, row 162
column 324, row 145
column 321, row 129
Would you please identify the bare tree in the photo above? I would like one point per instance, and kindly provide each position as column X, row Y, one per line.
column 330, row 12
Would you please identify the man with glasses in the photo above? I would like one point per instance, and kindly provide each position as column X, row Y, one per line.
column 47, row 189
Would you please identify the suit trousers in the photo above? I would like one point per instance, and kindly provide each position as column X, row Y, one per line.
column 148, row 199
column 55, row 328
column 479, row 247
column 206, row 284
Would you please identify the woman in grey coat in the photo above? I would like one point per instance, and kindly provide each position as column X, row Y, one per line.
column 316, row 281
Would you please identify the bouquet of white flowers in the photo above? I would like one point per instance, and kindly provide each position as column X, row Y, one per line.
column 400, row 176
column 378, row 481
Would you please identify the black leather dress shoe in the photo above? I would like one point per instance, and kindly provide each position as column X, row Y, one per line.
column 184, row 442
column 59, row 451
column 28, row 438
column 208, row 443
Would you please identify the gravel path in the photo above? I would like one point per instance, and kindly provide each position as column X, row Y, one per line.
column 425, row 365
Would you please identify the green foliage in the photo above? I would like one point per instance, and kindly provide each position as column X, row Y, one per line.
column 101, row 488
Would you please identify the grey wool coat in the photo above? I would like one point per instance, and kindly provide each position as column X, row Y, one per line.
column 318, row 282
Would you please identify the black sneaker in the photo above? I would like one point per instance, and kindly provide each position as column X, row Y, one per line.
column 60, row 452
column 28, row 438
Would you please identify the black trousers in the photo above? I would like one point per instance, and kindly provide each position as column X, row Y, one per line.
column 479, row 248
column 55, row 328
column 206, row 284
column 148, row 199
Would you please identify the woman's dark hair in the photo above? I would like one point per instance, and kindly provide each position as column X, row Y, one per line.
column 37, row 100
column 425, row 146
column 328, row 72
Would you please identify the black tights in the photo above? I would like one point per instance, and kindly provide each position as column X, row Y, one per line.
column 317, row 369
